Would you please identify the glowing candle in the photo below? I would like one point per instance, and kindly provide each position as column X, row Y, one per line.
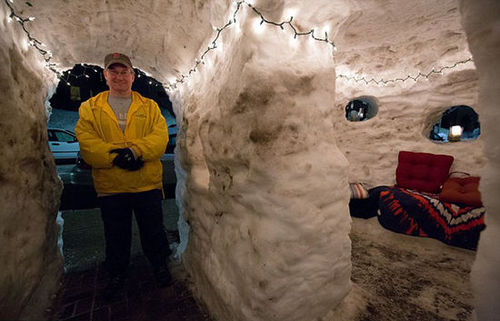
column 456, row 131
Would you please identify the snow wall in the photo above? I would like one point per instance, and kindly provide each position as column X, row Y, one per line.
column 30, row 261
column 266, row 186
column 416, row 37
column 481, row 20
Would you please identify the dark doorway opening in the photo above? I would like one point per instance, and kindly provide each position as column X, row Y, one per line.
column 82, row 238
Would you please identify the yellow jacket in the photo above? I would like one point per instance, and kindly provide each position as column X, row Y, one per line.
column 146, row 132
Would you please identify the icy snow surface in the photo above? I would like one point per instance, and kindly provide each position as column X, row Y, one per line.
column 265, row 152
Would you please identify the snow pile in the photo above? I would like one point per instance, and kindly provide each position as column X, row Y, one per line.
column 29, row 187
column 266, row 187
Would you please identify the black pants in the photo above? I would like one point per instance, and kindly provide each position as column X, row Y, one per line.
column 116, row 213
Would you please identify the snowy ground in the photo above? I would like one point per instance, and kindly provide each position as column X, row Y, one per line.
column 83, row 236
column 401, row 277
column 409, row 278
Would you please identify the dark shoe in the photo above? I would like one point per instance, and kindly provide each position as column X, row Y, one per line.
column 114, row 288
column 162, row 276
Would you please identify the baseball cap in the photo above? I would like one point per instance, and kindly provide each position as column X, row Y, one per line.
column 116, row 58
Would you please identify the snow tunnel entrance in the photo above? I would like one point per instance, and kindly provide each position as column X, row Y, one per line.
column 82, row 239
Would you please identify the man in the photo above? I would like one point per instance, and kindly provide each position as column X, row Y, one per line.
column 123, row 135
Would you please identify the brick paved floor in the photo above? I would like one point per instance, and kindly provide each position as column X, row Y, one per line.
column 80, row 298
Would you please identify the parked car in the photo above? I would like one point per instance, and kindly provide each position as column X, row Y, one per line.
column 172, row 137
column 79, row 191
column 63, row 145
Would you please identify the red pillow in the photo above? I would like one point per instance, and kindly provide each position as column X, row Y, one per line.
column 462, row 191
column 423, row 172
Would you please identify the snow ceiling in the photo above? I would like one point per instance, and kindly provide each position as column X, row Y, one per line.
column 264, row 152
column 379, row 39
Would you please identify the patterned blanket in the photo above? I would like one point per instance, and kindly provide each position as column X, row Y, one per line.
column 413, row 213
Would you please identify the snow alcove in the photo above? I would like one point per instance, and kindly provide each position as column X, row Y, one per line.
column 264, row 152
column 361, row 109
column 455, row 124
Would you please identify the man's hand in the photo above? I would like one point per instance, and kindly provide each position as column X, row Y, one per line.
column 136, row 165
column 126, row 159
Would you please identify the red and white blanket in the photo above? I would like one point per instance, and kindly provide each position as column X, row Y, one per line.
column 413, row 213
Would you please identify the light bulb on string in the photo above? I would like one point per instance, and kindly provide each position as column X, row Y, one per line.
column 289, row 14
column 294, row 42
column 24, row 44
column 219, row 47
column 235, row 6
column 240, row 15
column 237, row 27
column 258, row 25
column 207, row 64
column 311, row 41
column 325, row 30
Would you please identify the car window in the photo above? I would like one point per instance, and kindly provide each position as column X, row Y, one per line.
column 52, row 137
column 64, row 137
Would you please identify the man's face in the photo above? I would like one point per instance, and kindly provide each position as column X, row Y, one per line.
column 119, row 78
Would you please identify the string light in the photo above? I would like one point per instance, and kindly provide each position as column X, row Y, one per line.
column 258, row 25
column 69, row 77
column 415, row 78
column 47, row 54
column 32, row 41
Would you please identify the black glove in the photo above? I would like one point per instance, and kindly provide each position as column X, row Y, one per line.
column 126, row 160
column 136, row 165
